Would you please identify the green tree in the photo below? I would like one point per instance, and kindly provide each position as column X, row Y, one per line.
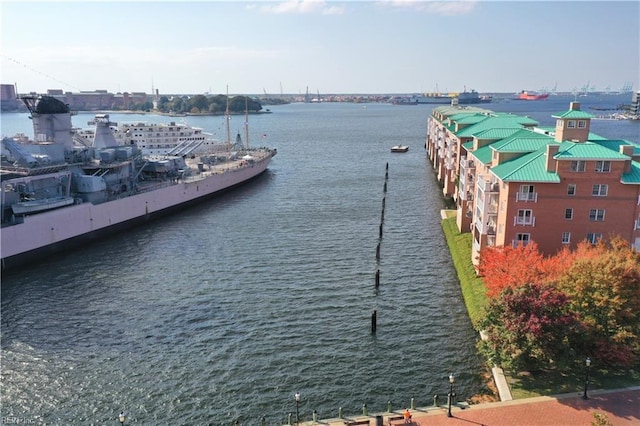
column 177, row 104
column 200, row 102
column 163, row 104
column 604, row 291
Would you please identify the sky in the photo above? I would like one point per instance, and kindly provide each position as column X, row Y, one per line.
column 327, row 47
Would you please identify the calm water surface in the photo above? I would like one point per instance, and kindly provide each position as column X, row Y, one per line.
column 221, row 313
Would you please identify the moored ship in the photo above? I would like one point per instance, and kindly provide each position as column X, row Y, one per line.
column 57, row 193
column 161, row 138
column 462, row 98
column 527, row 95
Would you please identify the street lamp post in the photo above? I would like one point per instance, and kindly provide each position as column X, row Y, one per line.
column 297, row 397
column 451, row 380
column 587, row 364
column 122, row 418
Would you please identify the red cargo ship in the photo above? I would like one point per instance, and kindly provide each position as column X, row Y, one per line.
column 531, row 96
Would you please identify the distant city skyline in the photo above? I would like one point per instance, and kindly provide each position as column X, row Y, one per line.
column 270, row 47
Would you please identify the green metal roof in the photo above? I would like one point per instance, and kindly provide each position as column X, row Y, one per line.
column 633, row 177
column 530, row 167
column 483, row 154
column 520, row 144
column 502, row 121
column 587, row 151
column 573, row 113
column 449, row 110
column 615, row 145
column 497, row 133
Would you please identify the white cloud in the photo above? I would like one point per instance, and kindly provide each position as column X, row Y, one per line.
column 303, row 7
column 434, row 7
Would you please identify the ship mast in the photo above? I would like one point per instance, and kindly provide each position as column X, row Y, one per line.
column 227, row 118
column 246, row 121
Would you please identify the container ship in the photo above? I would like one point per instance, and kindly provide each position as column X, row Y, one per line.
column 57, row 193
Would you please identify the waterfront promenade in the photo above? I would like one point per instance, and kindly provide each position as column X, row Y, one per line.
column 620, row 407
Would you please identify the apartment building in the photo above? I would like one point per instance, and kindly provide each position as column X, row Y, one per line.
column 515, row 182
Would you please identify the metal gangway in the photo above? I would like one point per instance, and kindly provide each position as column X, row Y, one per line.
column 185, row 148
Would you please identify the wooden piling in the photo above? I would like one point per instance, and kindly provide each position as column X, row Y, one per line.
column 374, row 322
column 377, row 278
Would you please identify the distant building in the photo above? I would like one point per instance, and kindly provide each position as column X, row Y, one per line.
column 8, row 98
column 95, row 100
column 515, row 183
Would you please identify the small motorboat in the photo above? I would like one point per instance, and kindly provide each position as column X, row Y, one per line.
column 400, row 148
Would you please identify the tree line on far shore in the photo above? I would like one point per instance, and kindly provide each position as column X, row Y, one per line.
column 199, row 104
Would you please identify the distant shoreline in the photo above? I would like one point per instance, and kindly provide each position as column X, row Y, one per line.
column 167, row 114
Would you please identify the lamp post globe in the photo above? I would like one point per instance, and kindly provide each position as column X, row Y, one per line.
column 122, row 418
column 452, row 379
column 297, row 398
column 587, row 364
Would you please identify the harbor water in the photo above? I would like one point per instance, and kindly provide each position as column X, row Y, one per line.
column 221, row 313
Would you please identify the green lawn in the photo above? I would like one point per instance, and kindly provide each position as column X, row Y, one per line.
column 473, row 289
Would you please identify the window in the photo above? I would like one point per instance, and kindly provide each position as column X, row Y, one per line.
column 593, row 237
column 568, row 214
column 571, row 189
column 525, row 217
column 527, row 193
column 599, row 190
column 603, row 166
column 522, row 239
column 578, row 166
column 596, row 215
column 526, row 189
column 571, row 124
column 582, row 124
column 566, row 237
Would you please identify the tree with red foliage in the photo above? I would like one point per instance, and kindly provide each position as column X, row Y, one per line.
column 529, row 327
column 505, row 267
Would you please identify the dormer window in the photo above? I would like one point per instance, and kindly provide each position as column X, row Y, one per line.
column 571, row 124
column 582, row 124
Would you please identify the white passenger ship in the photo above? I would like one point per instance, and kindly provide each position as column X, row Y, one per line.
column 158, row 138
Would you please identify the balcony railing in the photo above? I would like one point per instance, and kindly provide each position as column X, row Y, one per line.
column 524, row 221
column 527, row 196
column 519, row 243
column 466, row 164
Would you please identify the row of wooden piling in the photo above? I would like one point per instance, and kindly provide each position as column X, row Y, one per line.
column 374, row 318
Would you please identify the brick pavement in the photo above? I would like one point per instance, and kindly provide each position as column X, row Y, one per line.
column 621, row 408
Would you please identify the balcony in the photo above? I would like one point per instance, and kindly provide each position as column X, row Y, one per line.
column 488, row 187
column 527, row 196
column 524, row 221
column 492, row 208
column 467, row 164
